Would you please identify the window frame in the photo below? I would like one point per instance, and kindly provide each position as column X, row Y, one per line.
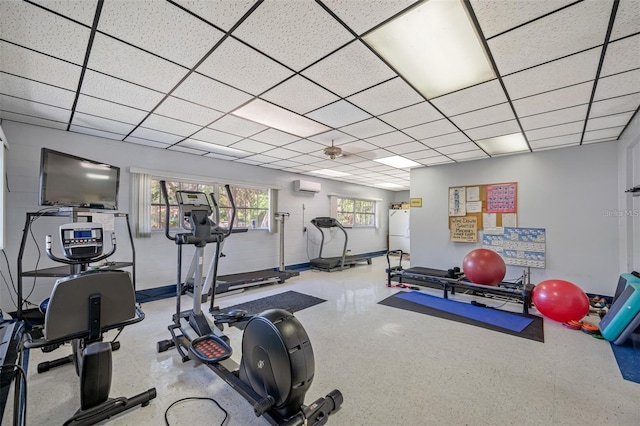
column 355, row 212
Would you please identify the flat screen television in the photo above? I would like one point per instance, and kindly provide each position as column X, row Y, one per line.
column 70, row 181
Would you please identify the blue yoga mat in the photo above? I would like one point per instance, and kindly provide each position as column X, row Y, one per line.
column 628, row 358
column 486, row 315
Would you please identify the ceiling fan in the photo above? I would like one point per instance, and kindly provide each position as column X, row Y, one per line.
column 333, row 151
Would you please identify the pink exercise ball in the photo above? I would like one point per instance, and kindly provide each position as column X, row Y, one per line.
column 560, row 300
column 483, row 266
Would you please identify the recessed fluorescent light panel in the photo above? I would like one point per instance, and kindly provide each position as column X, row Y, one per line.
column 435, row 47
column 398, row 162
column 388, row 185
column 507, row 144
column 279, row 118
column 329, row 172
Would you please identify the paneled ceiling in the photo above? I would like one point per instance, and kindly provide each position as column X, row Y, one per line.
column 173, row 75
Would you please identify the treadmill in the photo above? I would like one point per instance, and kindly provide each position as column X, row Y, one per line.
column 336, row 263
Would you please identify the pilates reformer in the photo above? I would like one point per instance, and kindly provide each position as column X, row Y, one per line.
column 453, row 279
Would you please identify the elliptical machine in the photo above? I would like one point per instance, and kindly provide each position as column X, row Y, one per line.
column 277, row 364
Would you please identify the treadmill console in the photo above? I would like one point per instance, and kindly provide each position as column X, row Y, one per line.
column 81, row 240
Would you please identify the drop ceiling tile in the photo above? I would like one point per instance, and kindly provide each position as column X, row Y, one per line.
column 246, row 161
column 603, row 134
column 349, row 70
column 201, row 146
column 475, row 154
column 553, row 118
column 169, row 125
column 156, row 136
column 311, row 32
column 565, row 140
column 405, row 148
column 146, row 142
column 305, row 146
column 575, row 28
column 420, row 113
column 34, row 91
column 216, row 137
column 457, row 148
column 444, row 140
column 362, row 15
column 33, row 109
column 557, row 99
column 430, row 130
column 554, row 75
column 283, row 164
column 21, row 118
column 299, row 95
column 115, row 90
column 357, row 147
column 80, row 10
column 160, row 28
column 338, row 114
column 128, row 63
column 95, row 132
column 553, row 131
column 332, row 135
column 482, row 117
column 187, row 111
column 389, row 139
column 377, row 154
column 492, row 130
column 275, row 137
column 618, row 85
column 261, row 158
column 252, row 146
column 306, row 159
column 186, row 150
column 419, row 155
column 223, row 14
column 237, row 126
column 207, row 92
column 282, row 153
column 110, row 110
column 627, row 19
column 35, row 28
column 303, row 168
column 609, row 121
column 240, row 66
column 471, row 98
column 433, row 161
column 496, row 16
column 38, row 67
column 615, row 105
column 367, row 128
column 623, row 55
column 388, row 96
column 99, row 123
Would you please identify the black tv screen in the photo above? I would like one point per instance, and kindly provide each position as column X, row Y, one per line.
column 70, row 181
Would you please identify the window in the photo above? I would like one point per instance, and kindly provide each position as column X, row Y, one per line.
column 356, row 213
column 252, row 204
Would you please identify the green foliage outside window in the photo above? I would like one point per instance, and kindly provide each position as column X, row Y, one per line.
column 355, row 213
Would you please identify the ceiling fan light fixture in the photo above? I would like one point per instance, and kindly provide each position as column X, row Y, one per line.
column 333, row 151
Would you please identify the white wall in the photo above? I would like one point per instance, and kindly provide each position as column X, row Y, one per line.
column 629, row 206
column 565, row 191
column 156, row 256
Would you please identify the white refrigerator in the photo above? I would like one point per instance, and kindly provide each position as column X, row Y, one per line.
column 399, row 230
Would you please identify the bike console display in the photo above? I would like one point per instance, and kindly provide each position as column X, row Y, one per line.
column 81, row 240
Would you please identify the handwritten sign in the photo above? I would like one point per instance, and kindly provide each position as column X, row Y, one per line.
column 464, row 229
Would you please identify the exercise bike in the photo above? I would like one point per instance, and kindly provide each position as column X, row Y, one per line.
column 81, row 308
column 277, row 364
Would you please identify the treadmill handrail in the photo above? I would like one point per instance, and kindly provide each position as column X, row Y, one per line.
column 317, row 222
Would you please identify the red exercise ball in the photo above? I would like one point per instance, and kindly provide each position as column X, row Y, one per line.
column 560, row 300
column 483, row 266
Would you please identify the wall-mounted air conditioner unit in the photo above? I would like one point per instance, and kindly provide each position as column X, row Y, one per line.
column 306, row 186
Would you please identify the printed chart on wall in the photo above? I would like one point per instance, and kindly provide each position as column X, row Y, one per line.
column 518, row 246
column 476, row 207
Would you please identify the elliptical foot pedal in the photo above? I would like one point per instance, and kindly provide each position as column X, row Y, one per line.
column 210, row 349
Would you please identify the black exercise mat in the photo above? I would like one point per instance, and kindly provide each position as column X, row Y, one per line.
column 289, row 300
column 534, row 331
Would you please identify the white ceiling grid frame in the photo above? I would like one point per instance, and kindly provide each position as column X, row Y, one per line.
column 37, row 29
column 405, row 148
column 306, row 159
column 618, row 85
column 147, row 142
column 484, row 116
column 275, row 137
column 493, row 130
column 349, row 70
column 627, row 19
column 304, row 32
column 34, row 109
column 110, row 110
column 160, row 28
column 567, row 140
column 615, row 105
column 623, row 55
column 457, row 148
column 554, row 131
column 338, row 114
column 36, row 91
column 202, row 145
column 169, row 125
column 609, row 121
column 95, row 132
column 390, row 139
column 475, row 97
column 332, row 135
column 567, row 71
column 304, row 146
column 282, row 153
column 367, row 128
column 300, row 95
column 444, row 140
column 238, row 65
column 39, row 67
column 556, row 99
column 82, row 11
column 476, row 154
column 210, row 93
column 186, row 150
column 429, row 130
column 115, row 90
column 388, row 96
column 553, row 118
column 187, row 111
column 602, row 134
column 363, row 15
column 223, row 14
column 252, row 146
column 237, row 126
column 215, row 136
column 567, row 31
column 21, row 118
column 357, row 147
column 411, row 116
column 100, row 123
column 155, row 135
column 420, row 155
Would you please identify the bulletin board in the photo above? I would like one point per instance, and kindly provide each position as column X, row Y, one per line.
column 492, row 205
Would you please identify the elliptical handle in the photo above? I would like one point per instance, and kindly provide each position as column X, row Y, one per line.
column 216, row 209
column 163, row 188
column 55, row 258
column 233, row 210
